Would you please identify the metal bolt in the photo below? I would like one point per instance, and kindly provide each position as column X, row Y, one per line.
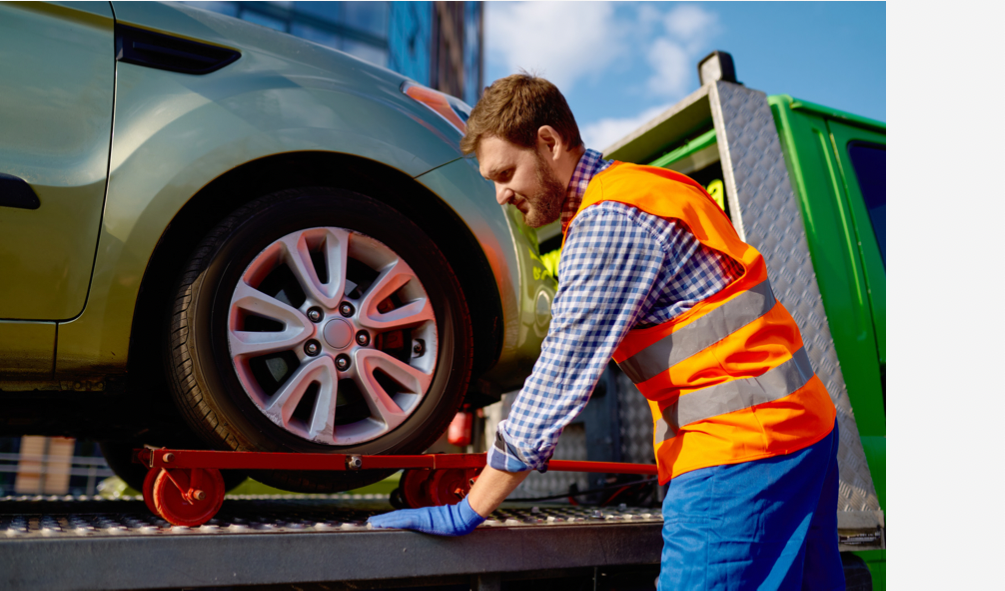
column 354, row 462
column 342, row 362
column 312, row 347
column 346, row 309
column 167, row 458
column 419, row 347
column 198, row 495
column 315, row 314
column 363, row 338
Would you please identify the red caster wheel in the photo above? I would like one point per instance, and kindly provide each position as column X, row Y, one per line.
column 188, row 496
column 148, row 490
column 426, row 488
column 448, row 487
column 414, row 489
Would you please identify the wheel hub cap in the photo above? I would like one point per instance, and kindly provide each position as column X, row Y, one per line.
column 338, row 333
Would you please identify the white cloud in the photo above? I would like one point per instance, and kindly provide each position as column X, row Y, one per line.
column 601, row 134
column 688, row 29
column 691, row 23
column 671, row 66
column 649, row 16
column 560, row 41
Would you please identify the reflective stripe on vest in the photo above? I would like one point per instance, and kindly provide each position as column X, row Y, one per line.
column 700, row 334
column 735, row 395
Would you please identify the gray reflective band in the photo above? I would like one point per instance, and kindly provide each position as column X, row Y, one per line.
column 736, row 395
column 700, row 334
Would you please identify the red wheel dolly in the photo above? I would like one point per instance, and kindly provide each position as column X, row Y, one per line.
column 185, row 486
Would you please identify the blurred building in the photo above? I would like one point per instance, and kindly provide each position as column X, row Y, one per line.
column 439, row 44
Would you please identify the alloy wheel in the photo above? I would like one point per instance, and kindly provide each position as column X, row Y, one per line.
column 332, row 336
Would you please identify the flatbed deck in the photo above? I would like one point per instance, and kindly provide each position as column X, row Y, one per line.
column 76, row 543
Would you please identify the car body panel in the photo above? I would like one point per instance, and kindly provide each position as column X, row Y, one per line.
column 26, row 351
column 175, row 133
column 273, row 60
column 512, row 252
column 56, row 98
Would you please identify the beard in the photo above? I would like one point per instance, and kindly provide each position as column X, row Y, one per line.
column 544, row 206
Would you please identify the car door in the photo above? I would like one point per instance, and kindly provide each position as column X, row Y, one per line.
column 57, row 74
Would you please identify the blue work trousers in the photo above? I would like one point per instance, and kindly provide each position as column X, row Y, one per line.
column 765, row 524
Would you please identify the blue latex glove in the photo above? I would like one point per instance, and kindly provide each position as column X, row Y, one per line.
column 446, row 520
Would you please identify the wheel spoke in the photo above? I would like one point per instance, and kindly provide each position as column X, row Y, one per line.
column 322, row 426
column 380, row 402
column 391, row 389
column 335, row 251
column 283, row 403
column 391, row 279
column 296, row 327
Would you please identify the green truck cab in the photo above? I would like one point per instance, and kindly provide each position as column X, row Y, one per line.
column 837, row 166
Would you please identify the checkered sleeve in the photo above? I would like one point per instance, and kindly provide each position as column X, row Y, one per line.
column 609, row 266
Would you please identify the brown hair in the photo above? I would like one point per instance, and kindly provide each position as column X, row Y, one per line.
column 514, row 108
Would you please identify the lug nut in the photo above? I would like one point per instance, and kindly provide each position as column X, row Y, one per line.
column 363, row 338
column 418, row 347
column 315, row 314
column 342, row 362
column 312, row 347
column 346, row 309
column 199, row 495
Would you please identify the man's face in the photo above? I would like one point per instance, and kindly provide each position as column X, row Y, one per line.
column 523, row 178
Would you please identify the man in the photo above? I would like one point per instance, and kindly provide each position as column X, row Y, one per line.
column 653, row 274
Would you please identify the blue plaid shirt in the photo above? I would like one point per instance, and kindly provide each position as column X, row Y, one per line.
column 621, row 268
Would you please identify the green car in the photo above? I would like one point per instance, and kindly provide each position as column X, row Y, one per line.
column 216, row 234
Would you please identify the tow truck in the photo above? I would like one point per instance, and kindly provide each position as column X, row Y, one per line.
column 803, row 183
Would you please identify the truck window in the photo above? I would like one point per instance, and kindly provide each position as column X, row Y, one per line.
column 869, row 161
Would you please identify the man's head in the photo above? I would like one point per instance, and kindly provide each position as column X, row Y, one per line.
column 527, row 143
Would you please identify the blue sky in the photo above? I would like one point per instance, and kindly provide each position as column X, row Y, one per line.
column 621, row 63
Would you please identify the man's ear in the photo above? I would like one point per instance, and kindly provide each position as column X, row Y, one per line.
column 550, row 141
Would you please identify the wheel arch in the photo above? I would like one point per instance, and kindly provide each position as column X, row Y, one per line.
column 298, row 170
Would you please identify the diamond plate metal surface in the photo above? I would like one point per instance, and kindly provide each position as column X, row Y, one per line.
column 571, row 446
column 56, row 517
column 757, row 186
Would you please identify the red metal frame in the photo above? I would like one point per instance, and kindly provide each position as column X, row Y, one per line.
column 429, row 479
column 252, row 460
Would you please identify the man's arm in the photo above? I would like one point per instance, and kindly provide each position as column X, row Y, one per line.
column 492, row 488
column 609, row 269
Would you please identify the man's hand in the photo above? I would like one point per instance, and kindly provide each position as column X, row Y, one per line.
column 491, row 488
column 446, row 520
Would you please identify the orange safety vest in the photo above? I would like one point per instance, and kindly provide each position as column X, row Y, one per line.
column 728, row 381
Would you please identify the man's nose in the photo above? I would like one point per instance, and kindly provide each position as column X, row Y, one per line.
column 503, row 194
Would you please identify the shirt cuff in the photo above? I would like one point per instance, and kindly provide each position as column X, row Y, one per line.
column 503, row 456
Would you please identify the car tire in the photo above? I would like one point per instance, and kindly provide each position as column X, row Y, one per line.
column 319, row 320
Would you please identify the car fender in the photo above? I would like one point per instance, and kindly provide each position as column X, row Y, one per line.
column 175, row 133
column 527, row 288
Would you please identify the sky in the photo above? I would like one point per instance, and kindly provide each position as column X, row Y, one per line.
column 619, row 64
